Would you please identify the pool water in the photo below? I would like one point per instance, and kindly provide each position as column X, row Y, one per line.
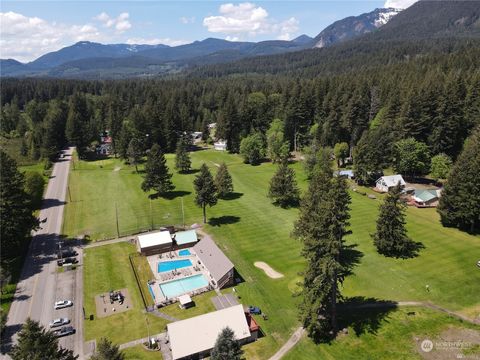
column 184, row 252
column 181, row 286
column 165, row 266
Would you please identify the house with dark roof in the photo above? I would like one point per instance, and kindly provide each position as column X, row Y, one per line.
column 219, row 267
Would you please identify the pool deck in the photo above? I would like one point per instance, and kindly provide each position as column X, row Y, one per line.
column 165, row 277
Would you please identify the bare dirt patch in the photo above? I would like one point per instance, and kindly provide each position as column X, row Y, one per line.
column 453, row 343
column 268, row 270
column 106, row 308
column 117, row 168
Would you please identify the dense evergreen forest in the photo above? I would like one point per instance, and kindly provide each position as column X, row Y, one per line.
column 432, row 98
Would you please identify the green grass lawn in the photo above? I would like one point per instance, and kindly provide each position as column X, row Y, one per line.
column 249, row 228
column 396, row 336
column 107, row 268
column 140, row 353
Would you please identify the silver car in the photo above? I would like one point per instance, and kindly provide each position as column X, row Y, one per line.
column 59, row 322
column 62, row 304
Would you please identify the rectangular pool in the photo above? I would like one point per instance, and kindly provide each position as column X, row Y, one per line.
column 181, row 286
column 165, row 266
column 184, row 252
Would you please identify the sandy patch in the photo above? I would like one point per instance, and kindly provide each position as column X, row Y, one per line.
column 268, row 270
column 106, row 308
column 117, row 168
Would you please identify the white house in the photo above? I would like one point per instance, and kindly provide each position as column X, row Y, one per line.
column 385, row 183
column 220, row 145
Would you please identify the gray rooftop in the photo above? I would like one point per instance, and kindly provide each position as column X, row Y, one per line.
column 213, row 258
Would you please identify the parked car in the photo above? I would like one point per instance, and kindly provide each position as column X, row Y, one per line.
column 59, row 322
column 254, row 310
column 64, row 331
column 64, row 253
column 63, row 261
column 62, row 304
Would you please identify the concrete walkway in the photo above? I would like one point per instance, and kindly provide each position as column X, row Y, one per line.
column 294, row 339
column 141, row 341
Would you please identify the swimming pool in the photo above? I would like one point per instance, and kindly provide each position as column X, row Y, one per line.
column 181, row 286
column 172, row 265
column 184, row 252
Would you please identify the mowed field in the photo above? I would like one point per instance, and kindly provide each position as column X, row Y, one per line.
column 249, row 228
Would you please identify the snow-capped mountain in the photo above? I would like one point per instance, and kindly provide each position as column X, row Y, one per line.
column 354, row 26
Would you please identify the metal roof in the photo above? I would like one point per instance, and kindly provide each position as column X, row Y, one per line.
column 186, row 237
column 392, row 180
column 153, row 239
column 191, row 336
column 213, row 258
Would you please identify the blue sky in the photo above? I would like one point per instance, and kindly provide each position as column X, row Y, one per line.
column 32, row 28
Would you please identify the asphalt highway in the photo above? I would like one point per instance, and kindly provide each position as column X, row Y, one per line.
column 41, row 284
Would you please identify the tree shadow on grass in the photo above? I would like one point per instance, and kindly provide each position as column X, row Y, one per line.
column 170, row 195
column 364, row 315
column 189, row 172
column 350, row 258
column 232, row 196
column 224, row 220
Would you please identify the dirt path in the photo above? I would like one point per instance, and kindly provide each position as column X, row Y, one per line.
column 294, row 339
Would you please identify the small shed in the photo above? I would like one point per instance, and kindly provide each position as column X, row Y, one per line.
column 220, row 145
column 154, row 243
column 186, row 239
column 385, row 183
column 185, row 301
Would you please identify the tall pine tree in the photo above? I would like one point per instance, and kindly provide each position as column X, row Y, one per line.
column 205, row 190
column 321, row 227
column 16, row 218
column 223, row 181
column 36, row 343
column 283, row 187
column 182, row 158
column 391, row 237
column 157, row 176
column 226, row 347
column 106, row 350
column 460, row 201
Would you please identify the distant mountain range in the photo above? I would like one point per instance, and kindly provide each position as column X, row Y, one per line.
column 92, row 60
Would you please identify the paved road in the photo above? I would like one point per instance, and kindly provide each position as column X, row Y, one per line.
column 40, row 284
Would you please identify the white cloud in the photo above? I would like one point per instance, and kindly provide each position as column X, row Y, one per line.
column 399, row 4
column 156, row 41
column 26, row 38
column 120, row 23
column 187, row 20
column 248, row 19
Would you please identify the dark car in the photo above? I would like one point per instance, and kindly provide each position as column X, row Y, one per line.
column 63, row 261
column 254, row 310
column 65, row 253
column 64, row 331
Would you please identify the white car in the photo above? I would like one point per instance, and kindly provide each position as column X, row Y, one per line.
column 62, row 304
column 59, row 322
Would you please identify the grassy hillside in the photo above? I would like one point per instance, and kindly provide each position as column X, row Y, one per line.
column 250, row 229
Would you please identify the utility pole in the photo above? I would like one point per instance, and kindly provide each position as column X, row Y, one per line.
column 183, row 215
column 69, row 195
column 148, row 331
column 116, row 217
column 151, row 215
